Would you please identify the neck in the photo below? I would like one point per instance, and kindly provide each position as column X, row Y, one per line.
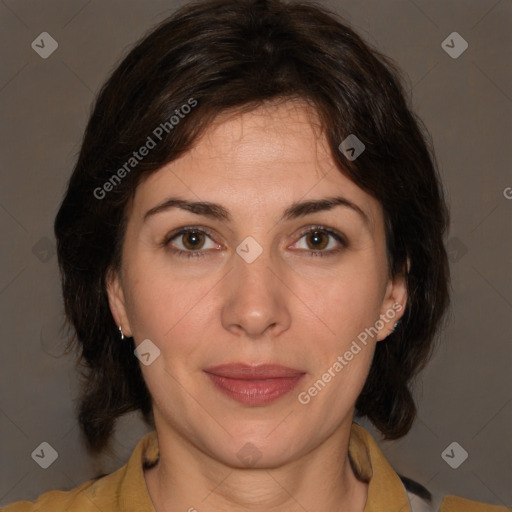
column 187, row 479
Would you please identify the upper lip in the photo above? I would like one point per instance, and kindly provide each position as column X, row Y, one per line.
column 253, row 372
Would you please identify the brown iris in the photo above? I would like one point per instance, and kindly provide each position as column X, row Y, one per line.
column 316, row 238
column 193, row 240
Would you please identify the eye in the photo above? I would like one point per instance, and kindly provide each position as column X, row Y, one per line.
column 189, row 242
column 321, row 241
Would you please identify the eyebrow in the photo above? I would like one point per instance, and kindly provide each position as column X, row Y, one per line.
column 294, row 211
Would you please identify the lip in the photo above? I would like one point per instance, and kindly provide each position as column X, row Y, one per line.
column 254, row 385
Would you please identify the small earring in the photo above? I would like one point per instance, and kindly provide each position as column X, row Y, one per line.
column 121, row 331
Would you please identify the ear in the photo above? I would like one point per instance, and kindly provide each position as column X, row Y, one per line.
column 116, row 301
column 393, row 305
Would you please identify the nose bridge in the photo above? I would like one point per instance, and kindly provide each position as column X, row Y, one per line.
column 255, row 299
column 252, row 271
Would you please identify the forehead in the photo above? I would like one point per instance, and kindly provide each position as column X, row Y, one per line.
column 288, row 131
column 266, row 159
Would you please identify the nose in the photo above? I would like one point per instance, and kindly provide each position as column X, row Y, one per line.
column 256, row 300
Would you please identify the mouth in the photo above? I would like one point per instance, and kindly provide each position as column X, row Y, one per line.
column 254, row 385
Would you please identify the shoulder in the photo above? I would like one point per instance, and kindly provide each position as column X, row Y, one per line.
column 124, row 489
column 389, row 490
column 456, row 504
column 83, row 498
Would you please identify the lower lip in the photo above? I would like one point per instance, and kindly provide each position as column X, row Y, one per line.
column 255, row 392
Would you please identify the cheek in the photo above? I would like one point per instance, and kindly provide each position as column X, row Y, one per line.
column 168, row 307
column 341, row 357
column 343, row 303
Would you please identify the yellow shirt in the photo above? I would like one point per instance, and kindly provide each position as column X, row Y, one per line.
column 125, row 490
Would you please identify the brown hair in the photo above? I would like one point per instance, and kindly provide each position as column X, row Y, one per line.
column 230, row 54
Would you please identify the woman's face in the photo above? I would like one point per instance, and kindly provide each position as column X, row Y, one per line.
column 309, row 291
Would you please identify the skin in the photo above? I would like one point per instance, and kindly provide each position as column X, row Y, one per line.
column 287, row 307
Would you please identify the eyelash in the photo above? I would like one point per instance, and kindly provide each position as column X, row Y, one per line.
column 199, row 253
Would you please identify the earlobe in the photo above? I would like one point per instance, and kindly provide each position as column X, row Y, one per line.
column 116, row 301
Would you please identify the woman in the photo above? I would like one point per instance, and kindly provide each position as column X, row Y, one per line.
column 251, row 247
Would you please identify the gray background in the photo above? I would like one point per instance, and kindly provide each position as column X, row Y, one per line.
column 465, row 393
